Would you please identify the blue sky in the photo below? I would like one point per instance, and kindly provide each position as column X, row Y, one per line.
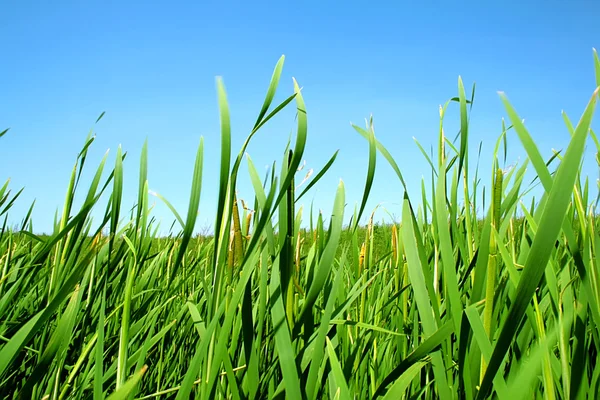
column 152, row 66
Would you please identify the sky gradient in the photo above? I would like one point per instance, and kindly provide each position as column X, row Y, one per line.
column 152, row 66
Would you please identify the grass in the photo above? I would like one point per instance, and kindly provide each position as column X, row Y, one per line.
column 441, row 304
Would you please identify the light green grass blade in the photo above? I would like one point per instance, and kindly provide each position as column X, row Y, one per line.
column 429, row 345
column 117, row 194
column 270, row 91
column 327, row 258
column 464, row 126
column 317, row 177
column 319, row 343
column 529, row 369
column 299, row 145
column 448, row 260
column 549, row 228
column 99, row 356
column 9, row 351
column 123, row 392
column 370, row 175
column 417, row 279
column 142, row 183
column 384, row 152
column 192, row 214
column 62, row 334
column 399, row 387
column 283, row 341
column 225, row 157
column 340, row 384
column 486, row 347
column 597, row 67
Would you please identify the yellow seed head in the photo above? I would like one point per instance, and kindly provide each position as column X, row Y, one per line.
column 394, row 243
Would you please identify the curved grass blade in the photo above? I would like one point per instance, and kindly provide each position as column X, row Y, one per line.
column 384, row 152
column 597, row 67
column 445, row 245
column 142, row 184
column 61, row 338
column 319, row 175
column 298, row 147
column 271, row 91
column 549, row 228
column 370, row 174
column 123, row 392
column 327, row 258
column 428, row 346
column 10, row 350
column 225, row 156
column 192, row 208
column 100, row 117
column 402, row 383
column 283, row 341
column 412, row 247
column 99, row 356
column 173, row 210
column 319, row 342
column 485, row 346
column 337, row 373
column 116, row 196
column 464, row 126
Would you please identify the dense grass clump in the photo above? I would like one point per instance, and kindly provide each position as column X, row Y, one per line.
column 441, row 304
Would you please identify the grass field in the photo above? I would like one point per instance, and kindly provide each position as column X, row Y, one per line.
column 443, row 304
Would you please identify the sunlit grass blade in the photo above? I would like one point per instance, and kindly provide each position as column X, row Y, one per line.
column 370, row 174
column 430, row 344
column 464, row 125
column 319, row 343
column 597, row 67
column 192, row 214
column 328, row 255
column 225, row 156
column 549, row 228
column 99, row 356
column 399, row 387
column 123, row 392
column 283, row 341
column 415, row 272
column 341, row 386
column 318, row 176
column 270, row 91
column 173, row 210
column 384, row 152
column 60, row 338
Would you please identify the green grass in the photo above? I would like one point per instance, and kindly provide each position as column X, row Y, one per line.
column 443, row 303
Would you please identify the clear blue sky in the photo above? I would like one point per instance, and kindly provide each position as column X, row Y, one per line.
column 152, row 66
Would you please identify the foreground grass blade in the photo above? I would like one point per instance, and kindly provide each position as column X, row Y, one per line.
column 225, row 155
column 370, row 174
column 402, row 383
column 318, row 176
column 123, row 392
column 192, row 208
column 428, row 346
column 283, row 341
column 342, row 391
column 539, row 254
column 415, row 272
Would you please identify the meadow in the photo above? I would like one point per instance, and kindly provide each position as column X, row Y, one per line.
column 442, row 304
